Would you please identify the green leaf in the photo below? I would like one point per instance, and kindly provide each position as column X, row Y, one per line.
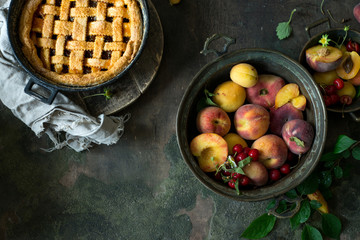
column 310, row 233
column 338, row 172
column 329, row 164
column 260, row 227
column 309, row 185
column 343, row 143
column 314, row 204
column 283, row 29
column 208, row 96
column 291, row 194
column 356, row 152
column 271, row 205
column 302, row 215
column 231, row 161
column 331, row 225
column 237, row 187
column 346, row 153
column 298, row 141
column 282, row 207
column 326, row 178
column 357, row 92
column 330, row 156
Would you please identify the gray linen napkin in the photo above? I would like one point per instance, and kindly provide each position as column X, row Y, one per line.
column 62, row 117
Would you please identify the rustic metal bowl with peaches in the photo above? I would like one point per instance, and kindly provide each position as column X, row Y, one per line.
column 332, row 57
column 252, row 125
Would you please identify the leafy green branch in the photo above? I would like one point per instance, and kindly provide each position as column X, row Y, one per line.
column 311, row 194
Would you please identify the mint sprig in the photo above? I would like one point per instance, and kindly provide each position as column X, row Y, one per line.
column 284, row 29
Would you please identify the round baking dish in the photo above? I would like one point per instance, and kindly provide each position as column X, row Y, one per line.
column 15, row 10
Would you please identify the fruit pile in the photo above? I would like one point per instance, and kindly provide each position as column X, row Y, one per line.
column 337, row 70
column 267, row 115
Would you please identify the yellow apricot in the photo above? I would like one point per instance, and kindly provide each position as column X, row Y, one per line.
column 325, row 78
column 286, row 93
column 348, row 89
column 244, row 74
column 346, row 70
column 232, row 139
column 229, row 96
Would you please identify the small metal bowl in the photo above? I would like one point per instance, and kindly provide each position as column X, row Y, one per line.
column 265, row 61
column 334, row 34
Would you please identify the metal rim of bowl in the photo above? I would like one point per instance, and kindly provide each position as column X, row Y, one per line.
column 311, row 42
column 269, row 191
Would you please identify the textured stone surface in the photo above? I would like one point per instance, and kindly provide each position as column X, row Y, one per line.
column 141, row 188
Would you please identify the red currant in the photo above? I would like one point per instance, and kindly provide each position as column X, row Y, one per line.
column 231, row 183
column 331, row 89
column 254, row 154
column 244, row 181
column 346, row 99
column 334, row 98
column 218, row 176
column 237, row 148
column 235, row 175
column 338, row 83
column 247, row 150
column 240, row 157
column 226, row 173
column 285, row 169
column 275, row 174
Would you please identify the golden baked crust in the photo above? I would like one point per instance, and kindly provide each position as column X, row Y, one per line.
column 80, row 42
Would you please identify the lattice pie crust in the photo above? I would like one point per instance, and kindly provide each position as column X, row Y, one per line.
column 80, row 42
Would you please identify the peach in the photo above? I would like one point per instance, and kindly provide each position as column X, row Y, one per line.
column 355, row 80
column 272, row 150
column 232, row 139
column 298, row 135
column 251, row 121
column 323, row 59
column 229, row 96
column 210, row 149
column 356, row 12
column 325, row 78
column 349, row 66
column 286, row 93
column 257, row 173
column 213, row 120
column 348, row 89
column 264, row 92
column 278, row 117
column 244, row 74
column 299, row 102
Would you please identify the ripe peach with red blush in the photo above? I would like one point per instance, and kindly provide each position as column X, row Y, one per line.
column 251, row 121
column 272, row 150
column 213, row 120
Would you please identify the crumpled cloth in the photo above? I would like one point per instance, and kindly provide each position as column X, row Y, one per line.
column 78, row 129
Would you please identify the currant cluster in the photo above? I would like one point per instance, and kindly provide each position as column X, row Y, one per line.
column 240, row 153
column 330, row 96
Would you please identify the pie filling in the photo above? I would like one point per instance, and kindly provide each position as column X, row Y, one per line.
column 80, row 42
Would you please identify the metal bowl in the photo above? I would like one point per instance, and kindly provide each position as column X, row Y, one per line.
column 265, row 61
column 334, row 34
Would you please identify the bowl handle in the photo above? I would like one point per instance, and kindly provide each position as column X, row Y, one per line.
column 286, row 214
column 228, row 41
column 51, row 92
column 317, row 23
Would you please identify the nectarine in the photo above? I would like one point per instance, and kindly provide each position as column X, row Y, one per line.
column 298, row 135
